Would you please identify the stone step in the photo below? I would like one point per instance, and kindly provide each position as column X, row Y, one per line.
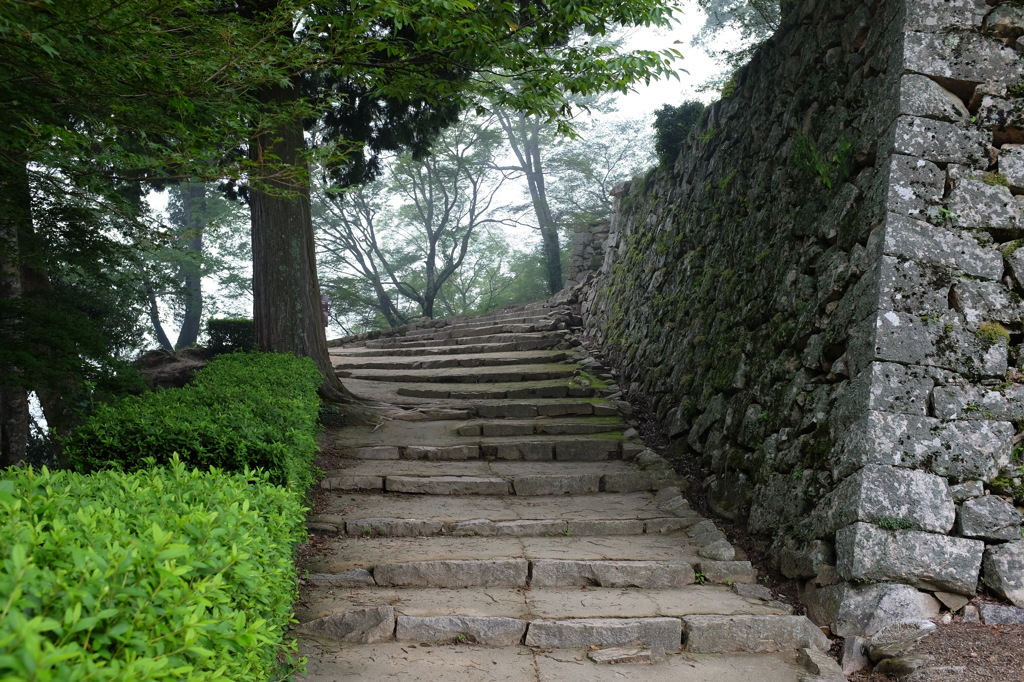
column 485, row 328
column 465, row 375
column 364, row 351
column 521, row 390
column 408, row 662
column 320, row 599
column 344, row 553
column 349, row 361
column 522, row 478
column 558, row 618
column 521, row 341
column 546, row 427
column 560, row 448
column 380, row 514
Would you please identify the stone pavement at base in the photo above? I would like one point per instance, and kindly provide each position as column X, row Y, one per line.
column 509, row 525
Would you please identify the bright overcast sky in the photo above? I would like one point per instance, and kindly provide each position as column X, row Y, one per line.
column 695, row 68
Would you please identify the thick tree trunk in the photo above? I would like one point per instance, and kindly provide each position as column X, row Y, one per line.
column 154, row 318
column 286, row 290
column 15, row 216
column 13, row 425
column 194, row 213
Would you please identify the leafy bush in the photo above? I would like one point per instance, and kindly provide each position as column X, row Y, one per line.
column 255, row 410
column 672, row 125
column 162, row 574
column 230, row 334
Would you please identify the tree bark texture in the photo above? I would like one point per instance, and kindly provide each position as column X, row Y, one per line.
column 194, row 216
column 15, row 217
column 286, row 289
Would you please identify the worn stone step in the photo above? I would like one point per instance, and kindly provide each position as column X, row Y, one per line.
column 699, row 634
column 345, row 553
column 466, row 375
column 493, row 477
column 347, row 361
column 379, row 514
column 406, row 662
column 544, row 427
column 320, row 599
column 597, row 448
column 487, row 328
column 442, row 351
column 506, row 390
column 521, row 341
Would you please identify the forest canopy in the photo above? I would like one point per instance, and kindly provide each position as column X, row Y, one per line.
column 101, row 101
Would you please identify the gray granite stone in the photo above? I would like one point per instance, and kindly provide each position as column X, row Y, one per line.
column 989, row 518
column 1004, row 571
column 926, row 560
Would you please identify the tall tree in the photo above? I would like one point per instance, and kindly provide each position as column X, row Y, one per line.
column 95, row 95
column 409, row 234
column 393, row 74
column 527, row 134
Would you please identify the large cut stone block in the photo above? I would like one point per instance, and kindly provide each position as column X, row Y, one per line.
column 939, row 15
column 453, row 573
column 959, row 450
column 492, row 631
column 989, row 518
column 447, row 452
column 518, row 528
column 532, row 451
column 552, row 484
column 867, row 552
column 936, row 141
column 663, row 633
column 962, row 56
column 976, row 204
column 594, row 450
column 876, row 493
column 938, row 342
column 921, row 96
column 644, row 574
column 985, row 301
column 911, row 239
column 360, row 626
column 1011, row 164
column 353, row 482
column 914, row 186
column 751, row 634
column 447, row 485
column 1004, row 571
column 862, row 610
column 393, row 527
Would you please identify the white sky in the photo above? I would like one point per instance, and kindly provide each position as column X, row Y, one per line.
column 695, row 68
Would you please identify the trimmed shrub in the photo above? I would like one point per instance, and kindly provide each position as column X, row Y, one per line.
column 672, row 125
column 230, row 334
column 243, row 410
column 162, row 574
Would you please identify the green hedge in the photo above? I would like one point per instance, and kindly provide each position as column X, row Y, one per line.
column 255, row 410
column 230, row 334
column 162, row 574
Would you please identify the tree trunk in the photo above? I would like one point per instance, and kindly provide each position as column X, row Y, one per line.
column 286, row 290
column 523, row 134
column 154, row 318
column 194, row 215
column 539, row 195
column 15, row 213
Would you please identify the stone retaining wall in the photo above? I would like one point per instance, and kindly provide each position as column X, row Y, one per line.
column 822, row 299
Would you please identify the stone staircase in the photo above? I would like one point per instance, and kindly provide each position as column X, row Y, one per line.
column 511, row 526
